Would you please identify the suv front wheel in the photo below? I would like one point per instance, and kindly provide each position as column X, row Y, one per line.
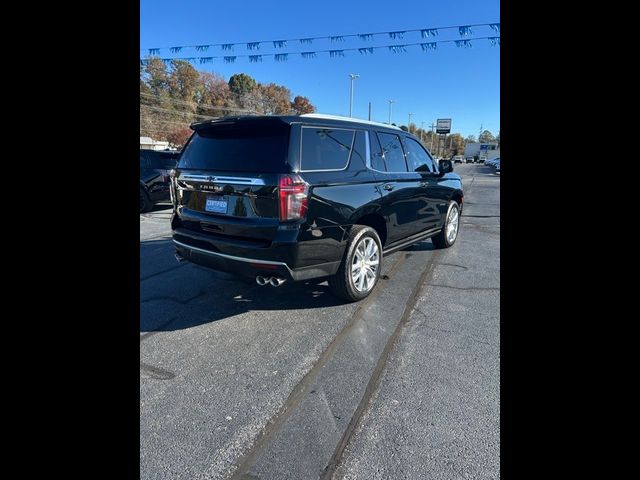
column 360, row 268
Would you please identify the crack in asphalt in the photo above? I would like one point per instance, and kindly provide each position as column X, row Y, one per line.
column 156, row 372
column 268, row 432
column 442, row 330
column 463, row 288
column 453, row 265
column 376, row 377
column 163, row 271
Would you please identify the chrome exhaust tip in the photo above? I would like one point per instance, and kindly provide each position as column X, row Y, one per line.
column 262, row 281
column 276, row 281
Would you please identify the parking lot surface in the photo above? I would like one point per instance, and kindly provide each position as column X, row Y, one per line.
column 243, row 381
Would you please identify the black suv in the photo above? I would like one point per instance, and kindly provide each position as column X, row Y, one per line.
column 299, row 197
column 155, row 166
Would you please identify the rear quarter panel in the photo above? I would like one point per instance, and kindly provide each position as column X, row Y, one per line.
column 336, row 200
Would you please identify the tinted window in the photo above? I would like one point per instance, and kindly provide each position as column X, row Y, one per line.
column 166, row 161
column 417, row 157
column 393, row 154
column 377, row 159
column 238, row 148
column 325, row 148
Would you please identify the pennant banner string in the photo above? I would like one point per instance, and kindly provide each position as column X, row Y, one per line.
column 425, row 32
column 281, row 57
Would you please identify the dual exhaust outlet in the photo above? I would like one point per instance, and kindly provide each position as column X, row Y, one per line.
column 273, row 281
column 260, row 280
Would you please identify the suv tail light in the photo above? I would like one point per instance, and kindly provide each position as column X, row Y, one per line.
column 293, row 197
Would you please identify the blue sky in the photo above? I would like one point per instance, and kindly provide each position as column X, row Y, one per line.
column 458, row 83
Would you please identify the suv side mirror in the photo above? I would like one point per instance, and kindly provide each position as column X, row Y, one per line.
column 445, row 166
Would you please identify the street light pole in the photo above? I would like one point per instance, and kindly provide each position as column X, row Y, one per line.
column 409, row 124
column 421, row 131
column 353, row 76
column 390, row 103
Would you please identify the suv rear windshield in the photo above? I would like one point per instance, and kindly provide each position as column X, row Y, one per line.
column 235, row 148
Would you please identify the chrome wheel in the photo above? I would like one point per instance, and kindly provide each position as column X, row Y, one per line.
column 364, row 266
column 453, row 221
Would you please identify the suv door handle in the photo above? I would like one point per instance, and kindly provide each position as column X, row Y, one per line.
column 388, row 186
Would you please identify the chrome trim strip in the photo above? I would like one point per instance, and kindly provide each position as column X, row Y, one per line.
column 231, row 257
column 219, row 179
column 418, row 237
column 367, row 150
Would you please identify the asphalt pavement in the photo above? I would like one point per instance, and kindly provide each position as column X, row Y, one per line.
column 243, row 381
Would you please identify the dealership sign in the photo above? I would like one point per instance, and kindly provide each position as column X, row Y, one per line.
column 443, row 125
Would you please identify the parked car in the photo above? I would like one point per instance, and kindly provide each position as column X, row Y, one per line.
column 491, row 162
column 497, row 165
column 470, row 160
column 459, row 159
column 155, row 166
column 280, row 198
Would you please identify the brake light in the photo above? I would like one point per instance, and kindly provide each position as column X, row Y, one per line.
column 293, row 197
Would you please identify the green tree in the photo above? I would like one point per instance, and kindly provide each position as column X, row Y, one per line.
column 456, row 143
column 241, row 84
column 275, row 99
column 486, row 137
column 302, row 105
column 184, row 81
column 155, row 76
column 217, row 98
column 470, row 139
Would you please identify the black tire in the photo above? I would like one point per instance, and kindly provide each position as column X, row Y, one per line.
column 342, row 284
column 145, row 202
column 441, row 240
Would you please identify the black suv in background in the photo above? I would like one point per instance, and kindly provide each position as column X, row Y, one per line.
column 282, row 198
column 155, row 166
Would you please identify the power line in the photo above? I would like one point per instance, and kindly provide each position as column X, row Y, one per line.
column 175, row 111
column 425, row 32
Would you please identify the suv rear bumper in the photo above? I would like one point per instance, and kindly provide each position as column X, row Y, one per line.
column 245, row 263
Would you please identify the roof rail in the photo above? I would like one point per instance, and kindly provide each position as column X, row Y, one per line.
column 338, row 117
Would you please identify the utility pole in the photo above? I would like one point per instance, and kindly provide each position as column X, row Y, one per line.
column 369, row 111
column 421, row 131
column 409, row 124
column 390, row 103
column 433, row 126
column 353, row 76
column 480, row 133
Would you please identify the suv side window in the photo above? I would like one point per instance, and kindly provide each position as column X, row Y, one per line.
column 393, row 153
column 417, row 157
column 325, row 148
column 377, row 159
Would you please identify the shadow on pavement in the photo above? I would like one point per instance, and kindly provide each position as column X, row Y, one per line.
column 185, row 297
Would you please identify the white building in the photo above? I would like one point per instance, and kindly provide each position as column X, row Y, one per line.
column 147, row 143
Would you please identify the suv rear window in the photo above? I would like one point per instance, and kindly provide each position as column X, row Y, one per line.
column 234, row 148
